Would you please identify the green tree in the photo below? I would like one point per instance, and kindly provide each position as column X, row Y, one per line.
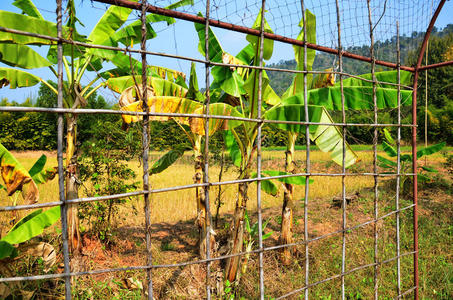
column 440, row 90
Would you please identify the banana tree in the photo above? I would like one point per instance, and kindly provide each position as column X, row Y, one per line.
column 297, row 87
column 109, row 31
column 240, row 86
column 322, row 90
column 169, row 97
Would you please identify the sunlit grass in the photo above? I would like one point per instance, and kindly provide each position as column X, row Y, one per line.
column 169, row 208
column 180, row 205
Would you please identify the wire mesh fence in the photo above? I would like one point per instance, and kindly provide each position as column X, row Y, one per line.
column 345, row 31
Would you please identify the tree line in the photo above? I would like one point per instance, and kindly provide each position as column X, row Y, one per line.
column 440, row 88
column 37, row 131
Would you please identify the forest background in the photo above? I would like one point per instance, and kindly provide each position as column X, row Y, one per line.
column 38, row 131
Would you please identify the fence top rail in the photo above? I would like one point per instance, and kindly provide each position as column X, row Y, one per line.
column 242, row 29
column 129, row 50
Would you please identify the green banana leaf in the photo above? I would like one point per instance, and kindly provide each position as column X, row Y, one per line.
column 385, row 76
column 131, row 34
column 386, row 163
column 28, row 8
column 193, row 91
column 389, row 149
column 229, row 81
column 429, row 169
column 251, row 84
column 112, row 20
column 268, row 95
column 39, row 174
column 299, row 180
column 267, row 185
column 17, row 78
column 328, row 138
column 28, row 24
column 38, row 166
column 225, row 78
column 233, row 148
column 16, row 177
column 180, row 4
column 388, row 136
column 268, row 46
column 32, row 226
column 7, row 250
column 430, row 150
column 357, row 98
column 128, row 35
column 215, row 49
column 21, row 56
column 246, row 55
column 297, row 85
column 167, row 160
column 109, row 32
column 25, row 219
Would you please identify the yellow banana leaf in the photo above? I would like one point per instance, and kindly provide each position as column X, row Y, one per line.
column 161, row 104
column 177, row 105
column 197, row 125
column 16, row 177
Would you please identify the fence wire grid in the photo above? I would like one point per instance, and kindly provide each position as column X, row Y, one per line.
column 343, row 30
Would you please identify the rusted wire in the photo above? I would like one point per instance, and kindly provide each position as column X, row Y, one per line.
column 414, row 144
column 201, row 116
column 61, row 172
column 138, row 51
column 243, row 29
column 157, row 266
column 145, row 146
column 189, row 186
column 258, row 155
column 208, row 217
column 343, row 159
column 307, row 153
column 147, row 191
column 375, row 141
column 398, row 166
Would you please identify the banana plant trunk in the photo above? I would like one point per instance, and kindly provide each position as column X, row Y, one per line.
column 72, row 185
column 237, row 235
column 202, row 214
column 288, row 203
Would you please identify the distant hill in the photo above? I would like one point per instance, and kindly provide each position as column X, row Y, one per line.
column 385, row 50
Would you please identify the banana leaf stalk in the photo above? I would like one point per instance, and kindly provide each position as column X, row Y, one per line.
column 288, row 203
column 296, row 87
column 204, row 218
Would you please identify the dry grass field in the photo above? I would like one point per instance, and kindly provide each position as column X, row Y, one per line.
column 175, row 235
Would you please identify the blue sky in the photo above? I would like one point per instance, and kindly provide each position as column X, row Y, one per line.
column 181, row 38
